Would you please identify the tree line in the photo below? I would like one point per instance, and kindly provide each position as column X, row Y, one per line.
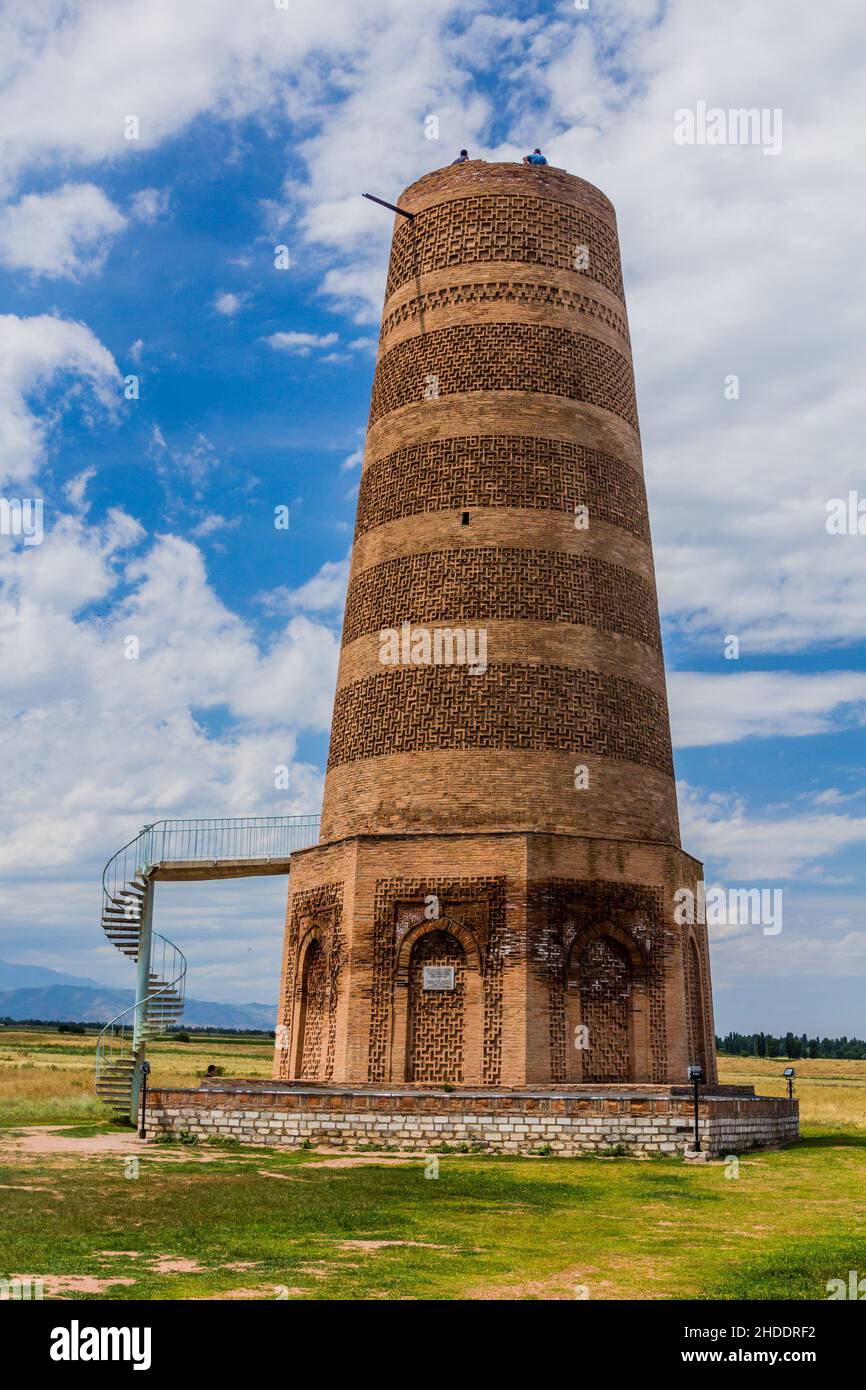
column 790, row 1046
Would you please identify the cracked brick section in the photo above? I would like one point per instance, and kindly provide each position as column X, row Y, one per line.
column 511, row 706
column 503, row 227
column 502, row 470
column 472, row 586
column 504, row 357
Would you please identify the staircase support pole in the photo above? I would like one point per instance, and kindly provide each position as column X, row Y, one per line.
column 142, row 989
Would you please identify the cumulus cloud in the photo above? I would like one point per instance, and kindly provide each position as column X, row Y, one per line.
column 102, row 741
column 748, row 847
column 65, row 233
column 324, row 593
column 300, row 343
column 38, row 356
column 709, row 709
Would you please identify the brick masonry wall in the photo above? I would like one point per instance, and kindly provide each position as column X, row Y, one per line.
column 654, row 1124
column 505, row 291
column 534, row 797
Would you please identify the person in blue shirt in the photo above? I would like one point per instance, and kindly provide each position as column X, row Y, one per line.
column 462, row 158
column 535, row 158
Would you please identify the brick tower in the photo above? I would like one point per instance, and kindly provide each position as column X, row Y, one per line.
column 492, row 901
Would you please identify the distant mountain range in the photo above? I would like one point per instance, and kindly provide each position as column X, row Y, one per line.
column 33, row 991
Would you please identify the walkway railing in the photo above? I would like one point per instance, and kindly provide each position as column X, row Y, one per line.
column 230, row 837
column 127, row 910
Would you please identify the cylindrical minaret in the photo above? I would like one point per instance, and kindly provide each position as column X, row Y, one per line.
column 502, row 505
column 499, row 895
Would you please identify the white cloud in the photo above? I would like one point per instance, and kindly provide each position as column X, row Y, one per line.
column 149, row 204
column 763, row 848
column 212, row 523
column 70, row 78
column 102, row 742
column 324, row 593
column 36, row 356
column 709, row 709
column 66, row 233
column 227, row 303
column 300, row 343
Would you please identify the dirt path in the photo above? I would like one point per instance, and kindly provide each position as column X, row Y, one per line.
column 44, row 1141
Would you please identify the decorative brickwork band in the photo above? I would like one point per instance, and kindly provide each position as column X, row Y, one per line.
column 500, row 227
column 524, row 292
column 487, row 582
column 502, row 470
column 510, row 706
column 504, row 357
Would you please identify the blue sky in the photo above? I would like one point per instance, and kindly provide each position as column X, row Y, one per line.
column 156, row 257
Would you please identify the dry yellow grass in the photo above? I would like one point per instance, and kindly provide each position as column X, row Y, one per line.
column 829, row 1092
column 48, row 1076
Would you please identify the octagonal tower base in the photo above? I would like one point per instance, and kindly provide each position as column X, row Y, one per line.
column 511, row 959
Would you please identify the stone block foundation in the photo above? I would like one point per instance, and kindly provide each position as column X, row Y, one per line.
column 649, row 1121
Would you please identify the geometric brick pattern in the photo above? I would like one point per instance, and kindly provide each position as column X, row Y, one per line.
column 502, row 470
column 505, row 357
column 313, row 1004
column 436, row 1017
column 469, row 586
column 605, row 987
column 503, row 385
column 694, row 1009
column 479, row 904
column 512, row 705
column 503, row 292
column 320, row 910
column 502, row 227
column 563, row 909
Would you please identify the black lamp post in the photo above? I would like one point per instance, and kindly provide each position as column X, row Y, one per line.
column 145, row 1072
column 696, row 1076
column 789, row 1075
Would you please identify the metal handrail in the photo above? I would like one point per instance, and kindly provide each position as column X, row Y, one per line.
column 124, row 880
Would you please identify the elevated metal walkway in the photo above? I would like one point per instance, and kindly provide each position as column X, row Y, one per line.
column 193, row 850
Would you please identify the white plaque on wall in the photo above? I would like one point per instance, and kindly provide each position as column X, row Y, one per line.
column 438, row 976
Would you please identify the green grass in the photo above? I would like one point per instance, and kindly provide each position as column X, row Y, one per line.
column 528, row 1228
column 501, row 1227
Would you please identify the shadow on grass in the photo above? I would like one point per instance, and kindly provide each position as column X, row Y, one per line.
column 831, row 1139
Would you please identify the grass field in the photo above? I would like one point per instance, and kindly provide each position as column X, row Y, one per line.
column 97, row 1215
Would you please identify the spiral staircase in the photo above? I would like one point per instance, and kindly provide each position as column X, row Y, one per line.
column 192, row 850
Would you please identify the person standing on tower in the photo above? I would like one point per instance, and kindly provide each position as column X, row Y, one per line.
column 535, row 158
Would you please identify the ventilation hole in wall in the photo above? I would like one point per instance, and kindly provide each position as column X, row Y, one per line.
column 464, row 520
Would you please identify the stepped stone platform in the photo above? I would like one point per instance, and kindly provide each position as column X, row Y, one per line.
column 648, row 1120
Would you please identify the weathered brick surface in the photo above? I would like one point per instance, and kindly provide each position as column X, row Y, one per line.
column 503, row 227
column 454, row 586
column 646, row 1122
column 514, row 471
column 505, row 357
column 510, row 706
column 458, row 827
